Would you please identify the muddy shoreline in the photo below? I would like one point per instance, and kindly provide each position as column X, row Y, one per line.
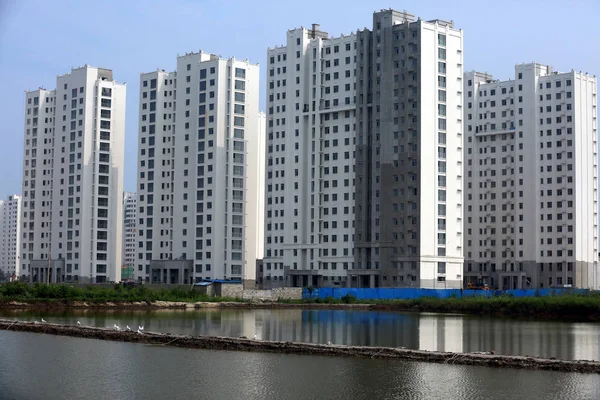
column 49, row 305
column 175, row 305
column 244, row 344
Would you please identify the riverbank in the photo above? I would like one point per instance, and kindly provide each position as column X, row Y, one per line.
column 175, row 305
column 244, row 344
column 563, row 309
column 567, row 307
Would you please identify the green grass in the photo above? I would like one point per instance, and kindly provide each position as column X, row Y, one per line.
column 564, row 306
column 19, row 291
column 568, row 306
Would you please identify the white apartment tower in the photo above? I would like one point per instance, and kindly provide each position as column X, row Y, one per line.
column 199, row 171
column 364, row 156
column 129, row 248
column 73, row 179
column 10, row 236
column 532, row 179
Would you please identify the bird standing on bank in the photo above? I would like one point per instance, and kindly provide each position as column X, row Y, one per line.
column 43, row 320
column 78, row 323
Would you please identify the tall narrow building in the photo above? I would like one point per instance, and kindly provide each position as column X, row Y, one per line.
column 73, row 179
column 129, row 247
column 532, row 180
column 200, row 149
column 364, row 156
column 10, row 237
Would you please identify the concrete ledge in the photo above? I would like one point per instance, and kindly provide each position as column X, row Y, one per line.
column 244, row 344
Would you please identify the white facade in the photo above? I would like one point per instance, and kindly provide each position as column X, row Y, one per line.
column 73, row 179
column 129, row 248
column 532, row 200
column 10, row 236
column 345, row 138
column 199, row 204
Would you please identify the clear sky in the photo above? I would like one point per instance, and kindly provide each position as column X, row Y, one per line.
column 42, row 39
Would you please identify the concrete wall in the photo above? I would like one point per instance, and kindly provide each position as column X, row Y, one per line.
column 238, row 291
column 286, row 293
column 229, row 289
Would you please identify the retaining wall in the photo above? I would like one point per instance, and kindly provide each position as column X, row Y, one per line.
column 285, row 293
column 410, row 293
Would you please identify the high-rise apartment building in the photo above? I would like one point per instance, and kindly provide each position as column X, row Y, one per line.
column 532, row 179
column 129, row 247
column 73, row 179
column 364, row 156
column 10, row 236
column 199, row 171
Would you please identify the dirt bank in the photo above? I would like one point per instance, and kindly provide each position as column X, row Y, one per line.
column 243, row 344
column 133, row 305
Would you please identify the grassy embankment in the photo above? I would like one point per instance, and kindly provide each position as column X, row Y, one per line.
column 23, row 292
column 564, row 306
column 583, row 307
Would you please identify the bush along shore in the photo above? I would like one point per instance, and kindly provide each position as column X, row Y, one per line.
column 573, row 307
column 39, row 293
column 245, row 344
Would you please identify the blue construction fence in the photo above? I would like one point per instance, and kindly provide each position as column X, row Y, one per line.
column 410, row 293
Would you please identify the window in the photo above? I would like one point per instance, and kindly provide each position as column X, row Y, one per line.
column 441, row 267
column 240, row 85
column 240, row 73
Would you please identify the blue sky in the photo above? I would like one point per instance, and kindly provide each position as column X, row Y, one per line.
column 42, row 39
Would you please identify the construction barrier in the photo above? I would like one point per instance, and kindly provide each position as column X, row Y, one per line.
column 414, row 293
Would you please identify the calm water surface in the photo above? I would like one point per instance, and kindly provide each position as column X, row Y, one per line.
column 35, row 366
column 441, row 332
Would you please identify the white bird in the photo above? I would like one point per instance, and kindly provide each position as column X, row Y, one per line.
column 255, row 336
column 329, row 343
column 116, row 327
column 78, row 323
column 43, row 320
column 138, row 331
column 140, row 328
column 128, row 328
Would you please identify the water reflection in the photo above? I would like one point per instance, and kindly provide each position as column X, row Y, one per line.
column 51, row 367
column 439, row 332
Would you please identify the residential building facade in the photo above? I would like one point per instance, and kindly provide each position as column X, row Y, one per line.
column 532, row 180
column 73, row 179
column 364, row 156
column 129, row 248
column 200, row 149
column 10, row 236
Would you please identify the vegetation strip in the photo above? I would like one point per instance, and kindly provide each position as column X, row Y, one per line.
column 569, row 306
column 244, row 344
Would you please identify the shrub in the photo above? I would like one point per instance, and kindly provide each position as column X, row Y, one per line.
column 348, row 299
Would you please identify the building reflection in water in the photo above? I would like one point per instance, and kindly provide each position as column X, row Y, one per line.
column 441, row 334
column 436, row 332
column 586, row 345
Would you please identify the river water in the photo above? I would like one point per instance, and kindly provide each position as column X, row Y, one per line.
column 45, row 367
column 441, row 332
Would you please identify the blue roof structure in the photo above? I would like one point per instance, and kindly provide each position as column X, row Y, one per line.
column 206, row 282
